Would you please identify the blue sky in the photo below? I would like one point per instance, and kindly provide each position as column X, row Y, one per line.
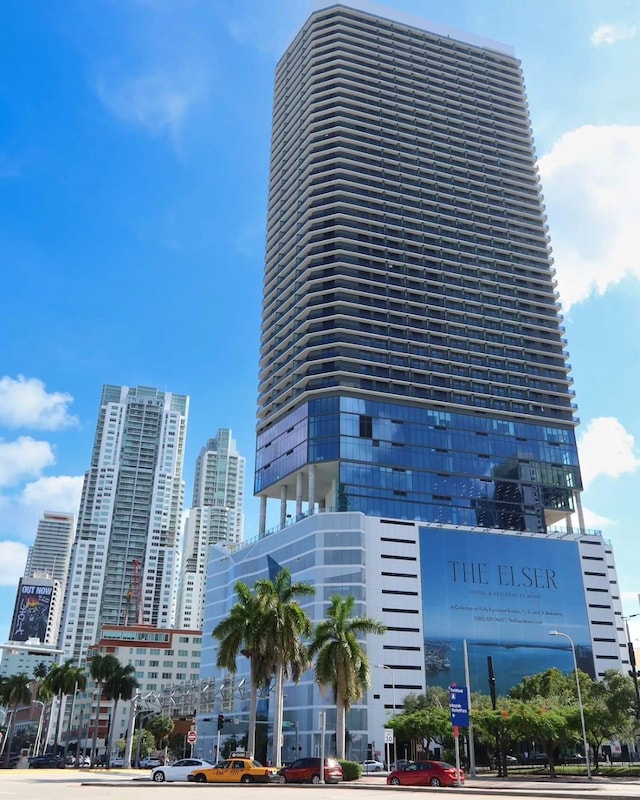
column 134, row 144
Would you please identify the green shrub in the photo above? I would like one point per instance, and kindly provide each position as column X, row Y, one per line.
column 351, row 770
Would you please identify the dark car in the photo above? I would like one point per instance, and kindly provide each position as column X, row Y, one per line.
column 46, row 762
column 573, row 758
column 426, row 773
column 307, row 770
column 535, row 759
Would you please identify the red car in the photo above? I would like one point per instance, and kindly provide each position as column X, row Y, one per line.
column 426, row 773
column 307, row 770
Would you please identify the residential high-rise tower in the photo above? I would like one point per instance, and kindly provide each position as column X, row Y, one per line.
column 414, row 382
column 413, row 360
column 49, row 555
column 216, row 517
column 125, row 556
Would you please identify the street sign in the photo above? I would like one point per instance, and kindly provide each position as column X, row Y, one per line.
column 459, row 706
column 192, row 737
column 388, row 735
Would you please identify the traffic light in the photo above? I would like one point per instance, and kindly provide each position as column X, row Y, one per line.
column 220, row 721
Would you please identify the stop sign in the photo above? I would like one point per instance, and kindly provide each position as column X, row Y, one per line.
column 192, row 737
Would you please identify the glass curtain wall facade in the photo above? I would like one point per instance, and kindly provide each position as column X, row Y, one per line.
column 413, row 360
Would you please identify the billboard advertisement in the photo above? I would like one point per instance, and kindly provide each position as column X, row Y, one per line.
column 503, row 594
column 31, row 614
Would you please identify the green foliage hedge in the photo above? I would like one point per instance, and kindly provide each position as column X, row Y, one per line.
column 351, row 770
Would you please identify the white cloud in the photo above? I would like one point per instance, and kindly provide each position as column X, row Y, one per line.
column 592, row 521
column 610, row 34
column 591, row 178
column 25, row 403
column 21, row 510
column 13, row 557
column 23, row 458
column 606, row 448
column 158, row 101
column 53, row 493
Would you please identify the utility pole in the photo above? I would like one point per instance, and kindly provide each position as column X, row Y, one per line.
column 633, row 672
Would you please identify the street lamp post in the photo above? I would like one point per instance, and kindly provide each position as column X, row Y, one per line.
column 633, row 672
column 393, row 696
column 393, row 684
column 39, row 733
column 575, row 668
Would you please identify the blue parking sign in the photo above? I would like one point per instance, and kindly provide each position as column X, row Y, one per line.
column 459, row 706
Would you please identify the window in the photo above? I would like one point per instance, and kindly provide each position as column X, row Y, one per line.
column 366, row 427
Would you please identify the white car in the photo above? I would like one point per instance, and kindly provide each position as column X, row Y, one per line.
column 372, row 766
column 178, row 771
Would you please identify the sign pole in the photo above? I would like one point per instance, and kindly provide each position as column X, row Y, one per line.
column 456, row 739
column 388, row 741
column 322, row 719
column 472, row 747
column 459, row 709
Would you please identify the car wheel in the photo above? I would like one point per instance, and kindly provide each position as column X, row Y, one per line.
column 282, row 779
column 158, row 777
column 200, row 778
column 245, row 779
column 435, row 782
column 377, row 769
column 315, row 779
column 395, row 781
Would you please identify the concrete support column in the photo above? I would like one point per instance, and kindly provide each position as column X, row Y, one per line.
column 578, row 501
column 283, row 505
column 312, row 488
column 334, row 495
column 262, row 519
column 299, row 494
column 322, row 504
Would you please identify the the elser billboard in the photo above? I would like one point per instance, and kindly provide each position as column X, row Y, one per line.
column 502, row 593
column 31, row 614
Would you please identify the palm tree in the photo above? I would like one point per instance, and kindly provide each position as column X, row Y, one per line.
column 341, row 661
column 120, row 685
column 240, row 634
column 101, row 669
column 40, row 670
column 283, row 624
column 14, row 693
column 62, row 680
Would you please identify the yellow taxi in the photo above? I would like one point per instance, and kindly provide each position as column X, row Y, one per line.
column 237, row 769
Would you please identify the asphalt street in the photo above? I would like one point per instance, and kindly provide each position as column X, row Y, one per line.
column 125, row 785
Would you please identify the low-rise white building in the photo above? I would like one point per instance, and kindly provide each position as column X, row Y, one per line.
column 434, row 587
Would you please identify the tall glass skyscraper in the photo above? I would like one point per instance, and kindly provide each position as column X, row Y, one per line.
column 413, row 359
column 414, row 378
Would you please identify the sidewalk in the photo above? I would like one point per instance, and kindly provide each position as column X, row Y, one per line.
column 540, row 786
